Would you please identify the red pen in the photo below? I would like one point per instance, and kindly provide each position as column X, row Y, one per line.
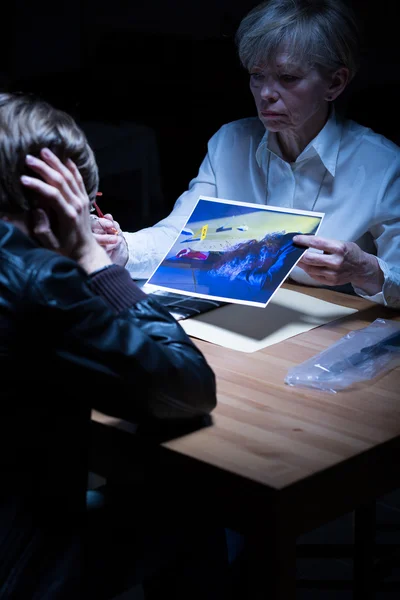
column 100, row 212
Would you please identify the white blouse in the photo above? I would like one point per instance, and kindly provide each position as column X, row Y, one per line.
column 347, row 171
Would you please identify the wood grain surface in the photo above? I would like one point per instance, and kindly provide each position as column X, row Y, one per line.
column 275, row 434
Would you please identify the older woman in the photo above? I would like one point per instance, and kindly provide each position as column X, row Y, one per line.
column 297, row 153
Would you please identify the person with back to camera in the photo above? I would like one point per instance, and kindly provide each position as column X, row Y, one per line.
column 77, row 333
column 299, row 153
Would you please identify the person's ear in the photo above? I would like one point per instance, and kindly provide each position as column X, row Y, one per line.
column 41, row 229
column 338, row 81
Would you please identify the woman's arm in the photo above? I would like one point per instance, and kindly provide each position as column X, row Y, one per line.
column 142, row 251
column 375, row 277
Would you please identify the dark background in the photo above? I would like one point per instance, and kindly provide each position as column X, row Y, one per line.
column 151, row 81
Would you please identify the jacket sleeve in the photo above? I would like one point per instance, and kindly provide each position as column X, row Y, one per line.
column 123, row 342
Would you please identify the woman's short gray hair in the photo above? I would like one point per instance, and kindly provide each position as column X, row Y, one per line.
column 28, row 124
column 321, row 33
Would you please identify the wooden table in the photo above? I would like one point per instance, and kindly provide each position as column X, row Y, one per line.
column 278, row 461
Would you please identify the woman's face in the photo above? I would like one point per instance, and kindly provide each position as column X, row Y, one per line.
column 289, row 96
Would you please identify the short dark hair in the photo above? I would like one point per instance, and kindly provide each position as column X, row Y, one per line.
column 28, row 124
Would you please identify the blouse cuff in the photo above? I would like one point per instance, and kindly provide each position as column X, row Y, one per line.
column 379, row 297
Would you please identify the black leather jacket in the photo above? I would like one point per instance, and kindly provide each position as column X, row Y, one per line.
column 70, row 343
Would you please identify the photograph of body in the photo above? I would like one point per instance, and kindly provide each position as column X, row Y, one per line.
column 234, row 252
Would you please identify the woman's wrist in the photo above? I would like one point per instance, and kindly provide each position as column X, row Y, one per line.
column 371, row 278
column 125, row 254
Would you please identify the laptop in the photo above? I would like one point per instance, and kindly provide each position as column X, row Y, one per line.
column 183, row 307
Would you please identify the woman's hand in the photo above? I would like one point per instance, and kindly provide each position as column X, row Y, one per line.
column 62, row 220
column 340, row 263
column 108, row 234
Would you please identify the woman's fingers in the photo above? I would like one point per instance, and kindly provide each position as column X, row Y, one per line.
column 104, row 225
column 111, row 218
column 106, row 240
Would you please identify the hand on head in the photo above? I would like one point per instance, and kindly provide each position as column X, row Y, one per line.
column 62, row 220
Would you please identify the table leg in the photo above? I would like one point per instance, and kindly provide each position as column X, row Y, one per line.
column 271, row 565
column 364, row 552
